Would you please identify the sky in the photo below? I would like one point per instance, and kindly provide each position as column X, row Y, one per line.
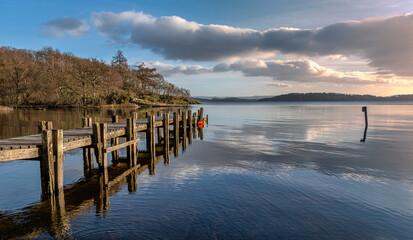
column 232, row 47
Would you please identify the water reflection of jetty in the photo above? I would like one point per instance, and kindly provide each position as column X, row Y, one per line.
column 52, row 215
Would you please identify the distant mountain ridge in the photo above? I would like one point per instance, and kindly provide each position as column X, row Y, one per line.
column 310, row 97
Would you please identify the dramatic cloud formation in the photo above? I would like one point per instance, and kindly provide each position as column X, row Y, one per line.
column 385, row 43
column 301, row 71
column 62, row 27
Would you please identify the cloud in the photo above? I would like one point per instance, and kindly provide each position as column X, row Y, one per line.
column 63, row 27
column 385, row 43
column 169, row 70
column 301, row 71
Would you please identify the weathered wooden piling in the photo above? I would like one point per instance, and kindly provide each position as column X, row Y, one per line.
column 201, row 114
column 88, row 163
column 47, row 165
column 44, row 125
column 59, row 157
column 364, row 109
column 115, row 141
column 130, row 136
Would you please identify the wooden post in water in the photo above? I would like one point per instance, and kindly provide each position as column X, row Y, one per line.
column 364, row 109
column 201, row 114
column 47, row 165
column 115, row 141
column 87, row 151
column 57, row 136
column 184, row 132
column 151, row 140
column 195, row 119
column 159, row 130
column 179, row 112
column 190, row 124
column 103, row 164
column 131, row 135
column 44, row 125
column 166, row 137
column 97, row 142
column 176, row 134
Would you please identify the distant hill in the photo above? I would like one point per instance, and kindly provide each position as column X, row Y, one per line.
column 336, row 97
column 308, row 97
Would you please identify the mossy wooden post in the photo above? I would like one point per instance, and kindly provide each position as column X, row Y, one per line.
column 57, row 136
column 166, row 137
column 87, row 151
column 184, row 132
column 176, row 134
column 115, row 141
column 190, row 125
column 103, row 164
column 151, row 139
column 47, row 165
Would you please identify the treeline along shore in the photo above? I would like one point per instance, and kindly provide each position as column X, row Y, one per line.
column 50, row 78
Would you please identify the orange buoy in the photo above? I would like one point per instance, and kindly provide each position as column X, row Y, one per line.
column 201, row 124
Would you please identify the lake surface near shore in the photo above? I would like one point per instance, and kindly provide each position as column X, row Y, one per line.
column 262, row 171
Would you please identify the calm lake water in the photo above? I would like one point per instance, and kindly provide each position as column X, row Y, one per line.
column 262, row 171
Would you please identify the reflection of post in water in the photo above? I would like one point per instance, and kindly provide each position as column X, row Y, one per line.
column 166, row 137
column 102, row 200
column 184, row 124
column 152, row 146
column 60, row 225
column 133, row 181
column 190, row 124
column 176, row 134
column 364, row 109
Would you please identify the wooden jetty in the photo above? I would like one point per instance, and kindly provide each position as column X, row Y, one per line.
column 52, row 215
column 49, row 145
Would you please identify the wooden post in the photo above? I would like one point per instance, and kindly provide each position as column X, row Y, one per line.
column 103, row 164
column 364, row 109
column 115, row 141
column 190, row 124
column 195, row 120
column 201, row 114
column 166, row 137
column 57, row 136
column 44, row 125
column 176, row 134
column 87, row 151
column 47, row 165
column 97, row 142
column 152, row 149
column 131, row 135
column 159, row 130
column 184, row 133
column 179, row 112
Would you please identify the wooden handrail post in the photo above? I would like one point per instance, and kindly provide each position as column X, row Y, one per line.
column 97, row 142
column 103, row 164
column 44, row 125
